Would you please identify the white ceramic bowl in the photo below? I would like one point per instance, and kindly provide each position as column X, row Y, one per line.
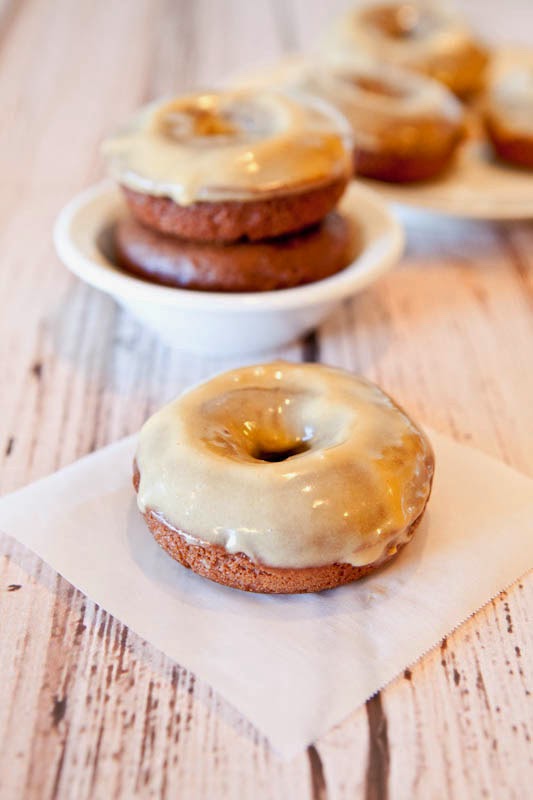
column 216, row 323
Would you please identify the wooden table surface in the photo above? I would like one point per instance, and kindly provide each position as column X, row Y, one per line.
column 87, row 709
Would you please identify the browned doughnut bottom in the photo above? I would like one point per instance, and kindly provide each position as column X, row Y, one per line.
column 231, row 220
column 243, row 267
column 239, row 572
column 395, row 168
column 510, row 146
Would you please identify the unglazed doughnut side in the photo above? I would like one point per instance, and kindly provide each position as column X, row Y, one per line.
column 267, row 265
column 239, row 572
column 509, row 145
column 234, row 220
column 396, row 167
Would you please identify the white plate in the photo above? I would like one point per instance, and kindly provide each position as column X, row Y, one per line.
column 216, row 323
column 476, row 186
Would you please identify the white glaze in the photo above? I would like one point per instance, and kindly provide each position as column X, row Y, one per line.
column 349, row 498
column 230, row 146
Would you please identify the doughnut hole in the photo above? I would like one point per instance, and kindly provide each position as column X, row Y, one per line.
column 275, row 456
column 195, row 122
column 400, row 20
column 207, row 122
column 267, row 426
column 373, row 85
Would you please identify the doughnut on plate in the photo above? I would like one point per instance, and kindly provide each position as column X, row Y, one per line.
column 215, row 323
column 478, row 185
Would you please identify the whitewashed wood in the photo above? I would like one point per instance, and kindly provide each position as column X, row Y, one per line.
column 86, row 708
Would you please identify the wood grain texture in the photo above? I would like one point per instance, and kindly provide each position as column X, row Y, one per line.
column 89, row 710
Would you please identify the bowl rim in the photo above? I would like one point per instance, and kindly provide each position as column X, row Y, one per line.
column 73, row 239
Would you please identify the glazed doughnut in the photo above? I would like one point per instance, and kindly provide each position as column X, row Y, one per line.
column 424, row 37
column 280, row 263
column 232, row 165
column 509, row 116
column 406, row 127
column 283, row 478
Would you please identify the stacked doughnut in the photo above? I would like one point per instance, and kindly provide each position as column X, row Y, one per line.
column 233, row 191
